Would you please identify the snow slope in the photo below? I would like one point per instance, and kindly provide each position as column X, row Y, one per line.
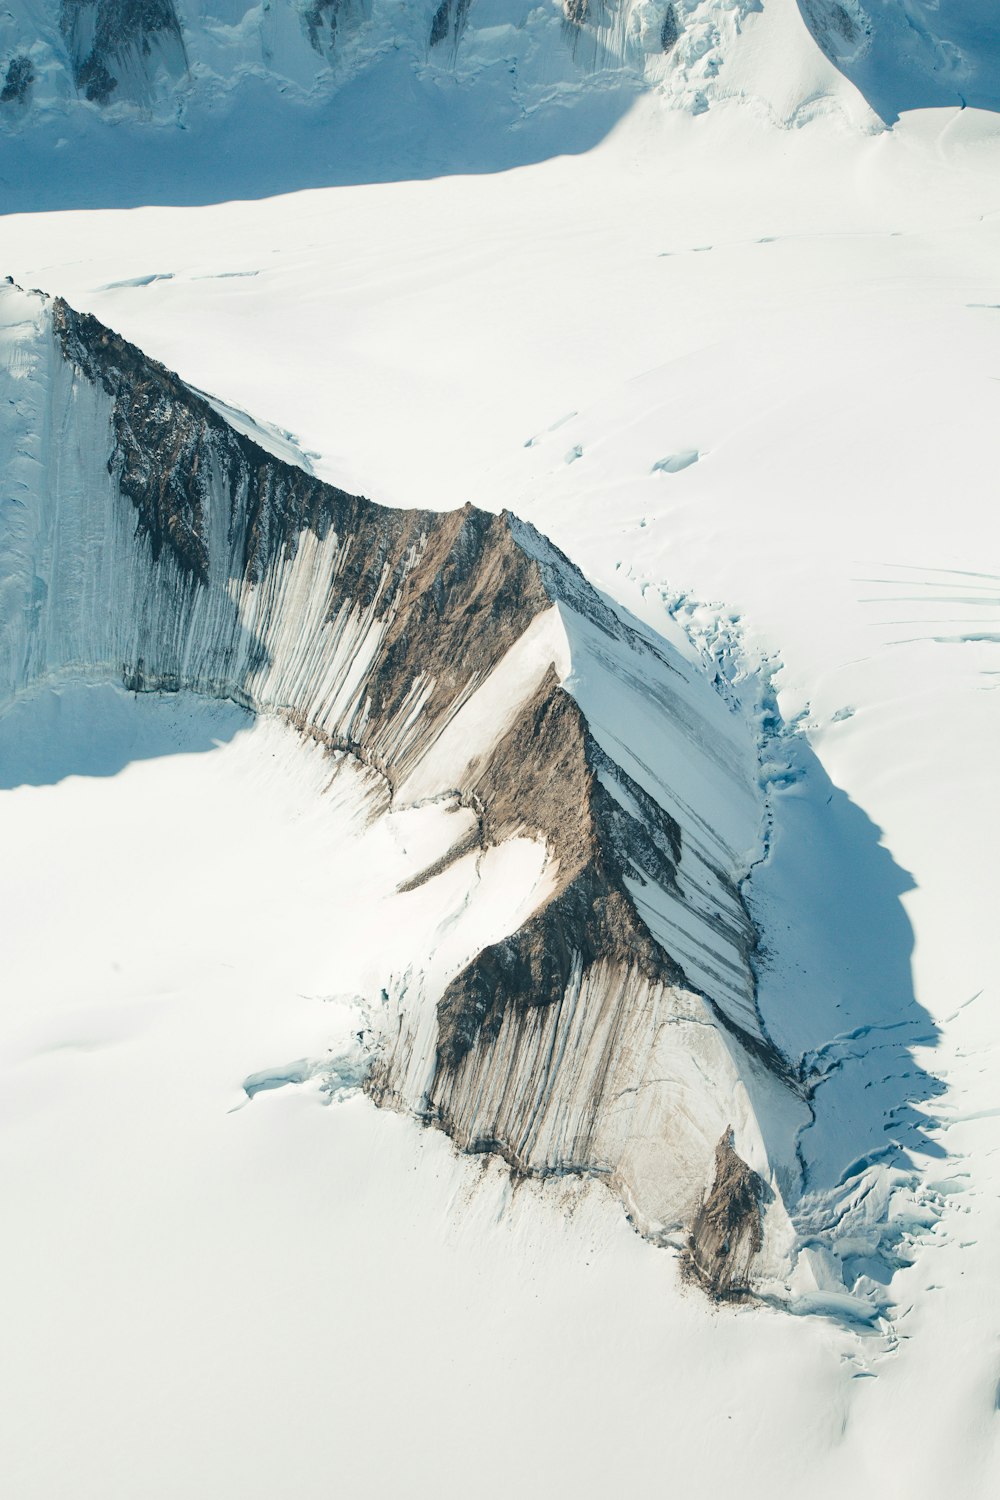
column 212, row 1294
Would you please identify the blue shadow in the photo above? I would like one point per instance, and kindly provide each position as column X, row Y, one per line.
column 80, row 729
column 912, row 54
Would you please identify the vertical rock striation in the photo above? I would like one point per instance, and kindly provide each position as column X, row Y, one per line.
column 726, row 1235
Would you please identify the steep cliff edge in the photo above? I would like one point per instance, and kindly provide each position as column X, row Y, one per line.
column 464, row 660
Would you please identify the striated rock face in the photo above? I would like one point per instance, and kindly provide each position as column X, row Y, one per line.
column 461, row 657
column 449, row 21
column 117, row 45
column 726, row 1236
column 325, row 20
column 18, row 78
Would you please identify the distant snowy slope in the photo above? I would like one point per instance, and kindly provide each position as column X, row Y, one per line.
column 181, row 61
column 746, row 375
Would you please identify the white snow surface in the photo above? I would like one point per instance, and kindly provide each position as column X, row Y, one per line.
column 773, row 356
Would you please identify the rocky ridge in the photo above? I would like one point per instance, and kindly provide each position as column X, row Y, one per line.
column 461, row 657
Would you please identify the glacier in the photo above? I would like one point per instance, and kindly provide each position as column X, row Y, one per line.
column 164, row 58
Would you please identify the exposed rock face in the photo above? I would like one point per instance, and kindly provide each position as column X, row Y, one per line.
column 843, row 29
column 111, row 41
column 576, row 11
column 727, row 1232
column 449, row 21
column 326, row 20
column 458, row 655
column 19, row 77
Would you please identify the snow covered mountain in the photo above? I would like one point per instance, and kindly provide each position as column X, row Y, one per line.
column 123, row 103
column 613, row 794
column 177, row 61
column 159, row 56
column 461, row 660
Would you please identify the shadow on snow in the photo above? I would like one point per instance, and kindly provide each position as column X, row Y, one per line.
column 912, row 54
column 391, row 124
column 80, row 729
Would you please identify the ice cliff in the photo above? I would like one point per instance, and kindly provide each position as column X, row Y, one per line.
column 158, row 56
column 175, row 61
column 150, row 539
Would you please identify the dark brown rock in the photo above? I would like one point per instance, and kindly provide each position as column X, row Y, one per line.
column 727, row 1234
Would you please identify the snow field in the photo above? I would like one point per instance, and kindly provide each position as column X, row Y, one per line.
column 214, row 1287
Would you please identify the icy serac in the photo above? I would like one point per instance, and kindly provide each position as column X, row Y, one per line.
column 179, row 61
column 146, row 540
column 158, row 54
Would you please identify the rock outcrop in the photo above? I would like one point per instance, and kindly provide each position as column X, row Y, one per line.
column 459, row 655
column 118, row 46
column 726, row 1236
